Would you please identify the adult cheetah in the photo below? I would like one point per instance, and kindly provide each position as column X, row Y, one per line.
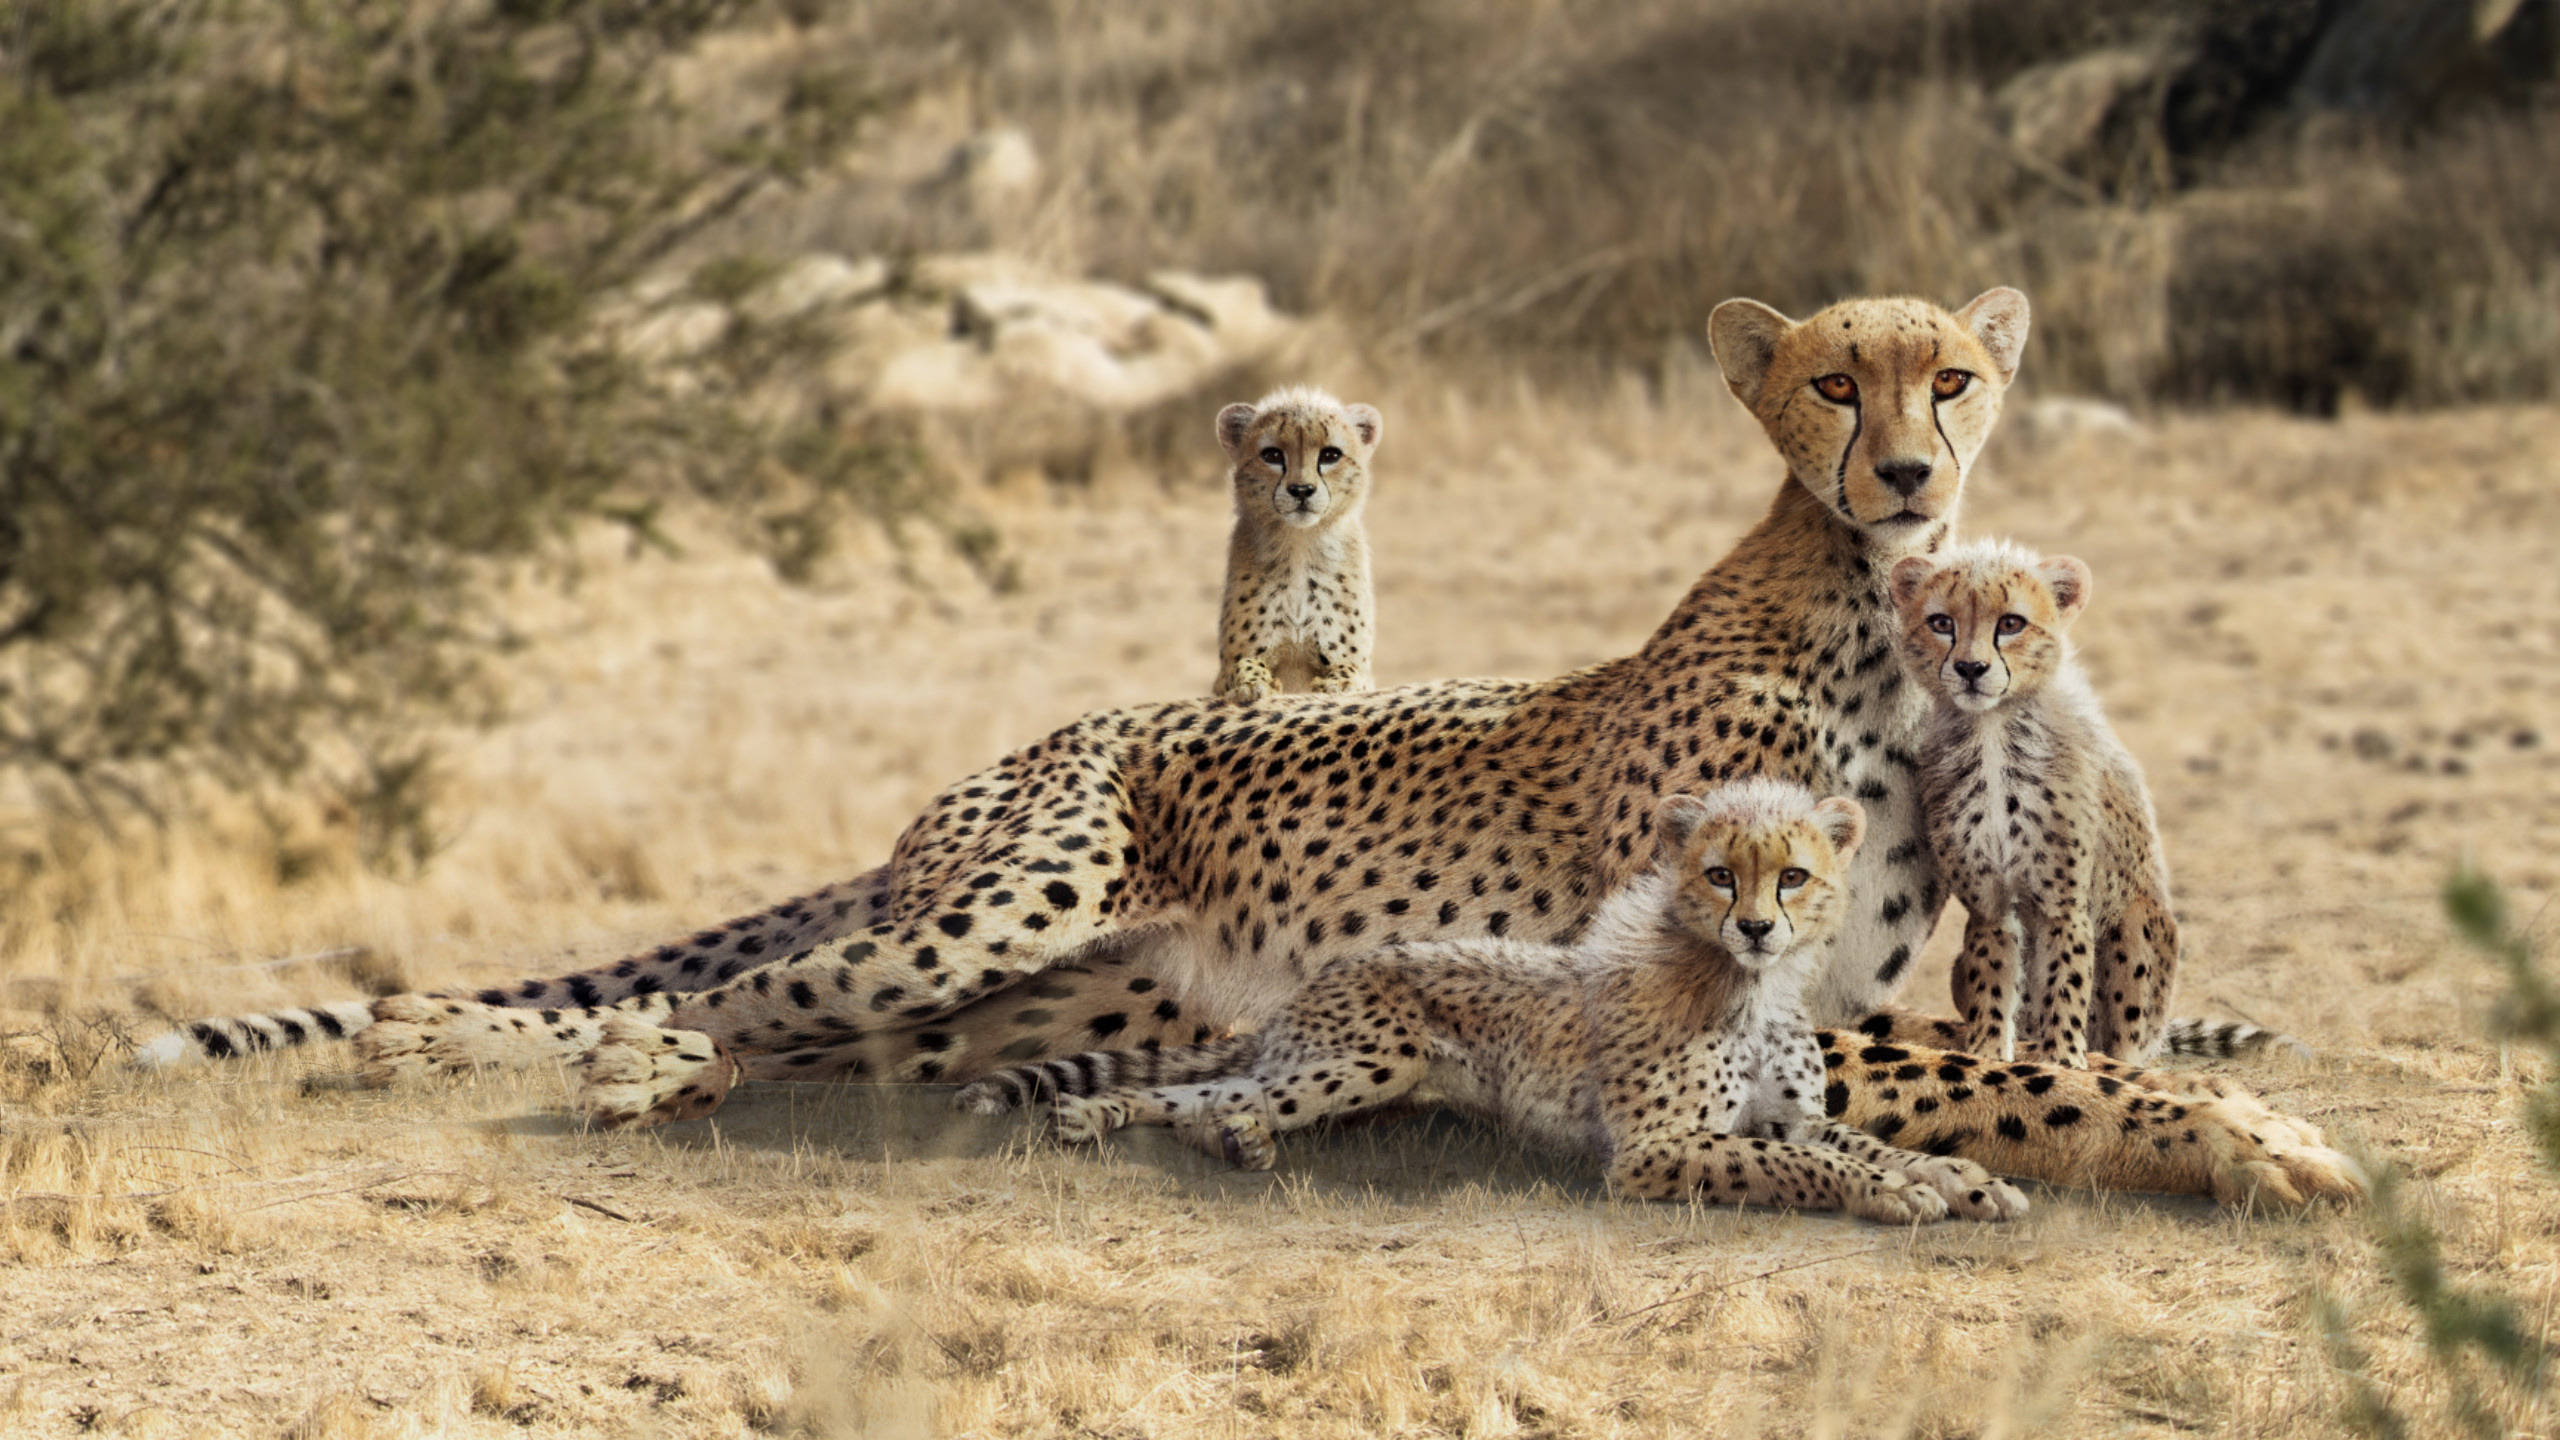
column 1144, row 872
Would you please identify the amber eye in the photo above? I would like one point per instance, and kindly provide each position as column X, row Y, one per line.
column 1271, row 456
column 1328, row 455
column 1719, row 877
column 1793, row 877
column 1942, row 624
column 1838, row 389
column 2012, row 624
column 1948, row 384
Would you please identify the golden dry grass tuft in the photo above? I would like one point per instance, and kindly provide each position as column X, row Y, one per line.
column 2333, row 645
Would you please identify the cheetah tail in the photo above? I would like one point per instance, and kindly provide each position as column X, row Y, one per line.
column 2223, row 1040
column 224, row 1037
column 1098, row 1070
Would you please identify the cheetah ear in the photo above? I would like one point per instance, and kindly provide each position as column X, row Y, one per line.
column 1998, row 318
column 2070, row 581
column 1367, row 420
column 1744, row 335
column 1677, row 818
column 1844, row 821
column 1233, row 422
column 1909, row 574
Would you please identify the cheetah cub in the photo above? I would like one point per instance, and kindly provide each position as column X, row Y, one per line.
column 2034, row 807
column 1670, row 1041
column 1296, row 616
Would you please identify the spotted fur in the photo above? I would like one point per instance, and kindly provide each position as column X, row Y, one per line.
column 1669, row 1042
column 1223, row 855
column 2039, row 816
column 1299, row 611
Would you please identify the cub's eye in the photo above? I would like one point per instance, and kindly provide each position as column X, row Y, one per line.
column 1793, row 877
column 1942, row 624
column 1838, row 389
column 1719, row 877
column 2012, row 624
column 1948, row 384
column 1329, row 455
column 1271, row 456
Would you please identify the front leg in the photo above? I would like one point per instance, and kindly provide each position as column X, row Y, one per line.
column 1910, row 1028
column 1968, row 1189
column 1986, row 982
column 2053, row 1019
column 2071, row 1127
column 1672, row 1164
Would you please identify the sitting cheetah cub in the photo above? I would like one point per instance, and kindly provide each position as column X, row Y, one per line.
column 2034, row 806
column 1296, row 617
column 1670, row 1041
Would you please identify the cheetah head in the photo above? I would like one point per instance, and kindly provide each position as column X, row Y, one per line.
column 1759, row 867
column 1988, row 620
column 1879, row 406
column 1302, row 453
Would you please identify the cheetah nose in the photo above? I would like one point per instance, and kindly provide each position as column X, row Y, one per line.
column 1904, row 476
column 1301, row 492
column 1754, row 929
column 1972, row 669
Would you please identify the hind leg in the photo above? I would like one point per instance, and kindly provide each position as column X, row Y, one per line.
column 1016, row 870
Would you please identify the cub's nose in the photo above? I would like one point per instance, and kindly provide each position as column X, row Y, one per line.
column 1904, row 476
column 1754, row 929
column 1972, row 669
column 1301, row 492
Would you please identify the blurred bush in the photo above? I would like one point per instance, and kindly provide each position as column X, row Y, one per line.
column 294, row 344
column 311, row 313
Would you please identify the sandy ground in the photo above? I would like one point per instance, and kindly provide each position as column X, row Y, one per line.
column 2333, row 646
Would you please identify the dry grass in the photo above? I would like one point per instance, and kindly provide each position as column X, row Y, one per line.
column 2333, row 645
column 1572, row 184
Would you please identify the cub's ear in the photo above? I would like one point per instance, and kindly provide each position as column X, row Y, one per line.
column 2070, row 581
column 1841, row 818
column 1998, row 318
column 1908, row 575
column 1744, row 335
column 1677, row 818
column 1233, row 422
column 1367, row 420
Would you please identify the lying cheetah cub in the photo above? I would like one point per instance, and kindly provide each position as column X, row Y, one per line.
column 1296, row 617
column 2034, row 806
column 1670, row 1041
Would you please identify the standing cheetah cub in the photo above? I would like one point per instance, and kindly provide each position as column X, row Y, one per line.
column 2034, row 806
column 1296, row 616
column 1670, row 1041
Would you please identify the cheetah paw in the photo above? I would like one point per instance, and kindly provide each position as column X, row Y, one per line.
column 640, row 1075
column 1970, row 1191
column 2254, row 1164
column 1245, row 1142
column 1084, row 1119
column 1890, row 1199
column 981, row 1098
